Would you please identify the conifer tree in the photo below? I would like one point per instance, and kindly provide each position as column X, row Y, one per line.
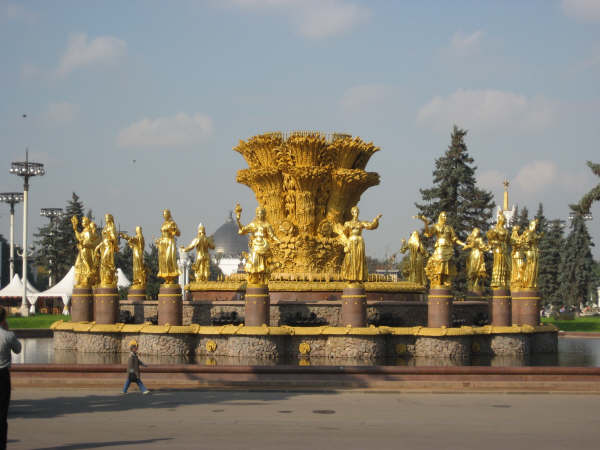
column 522, row 219
column 551, row 247
column 151, row 261
column 577, row 264
column 455, row 191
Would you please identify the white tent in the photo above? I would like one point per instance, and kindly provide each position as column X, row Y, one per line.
column 64, row 289
column 15, row 288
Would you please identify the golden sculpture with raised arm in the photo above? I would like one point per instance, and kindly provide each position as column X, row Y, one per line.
column 530, row 241
column 417, row 257
column 440, row 268
column 87, row 240
column 137, row 243
column 354, row 267
column 105, row 252
column 498, row 239
column 258, row 261
column 203, row 244
column 517, row 257
column 167, row 249
column 476, row 271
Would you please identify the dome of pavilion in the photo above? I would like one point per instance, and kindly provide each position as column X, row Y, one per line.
column 228, row 243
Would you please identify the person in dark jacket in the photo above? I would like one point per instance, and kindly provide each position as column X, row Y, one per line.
column 133, row 369
column 8, row 342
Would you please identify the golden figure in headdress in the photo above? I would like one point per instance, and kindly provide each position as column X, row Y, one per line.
column 87, row 239
column 530, row 241
column 498, row 239
column 167, row 249
column 417, row 255
column 258, row 261
column 517, row 257
column 105, row 252
column 203, row 244
column 354, row 267
column 476, row 261
column 440, row 269
column 137, row 244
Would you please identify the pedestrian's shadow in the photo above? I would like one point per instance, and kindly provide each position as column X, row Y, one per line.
column 102, row 444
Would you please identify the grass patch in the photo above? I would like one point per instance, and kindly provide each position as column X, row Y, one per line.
column 35, row 321
column 577, row 324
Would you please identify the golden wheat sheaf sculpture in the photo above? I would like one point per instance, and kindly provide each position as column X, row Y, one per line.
column 307, row 182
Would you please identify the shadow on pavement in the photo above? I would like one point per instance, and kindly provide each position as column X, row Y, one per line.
column 102, row 444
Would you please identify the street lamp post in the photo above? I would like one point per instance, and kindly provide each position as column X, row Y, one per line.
column 12, row 198
column 26, row 169
column 53, row 214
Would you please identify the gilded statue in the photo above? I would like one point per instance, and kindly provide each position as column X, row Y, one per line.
column 417, row 255
column 440, row 269
column 167, row 249
column 105, row 252
column 498, row 239
column 203, row 244
column 517, row 257
column 258, row 261
column 87, row 240
column 530, row 241
column 137, row 244
column 354, row 267
column 476, row 261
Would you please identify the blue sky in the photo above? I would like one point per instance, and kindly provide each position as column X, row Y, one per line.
column 174, row 86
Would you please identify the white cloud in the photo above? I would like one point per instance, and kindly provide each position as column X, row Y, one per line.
column 487, row 111
column 103, row 50
column 536, row 176
column 314, row 19
column 584, row 10
column 180, row 130
column 60, row 113
column 464, row 45
column 365, row 96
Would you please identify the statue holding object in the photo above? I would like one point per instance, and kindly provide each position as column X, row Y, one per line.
column 137, row 243
column 203, row 244
column 476, row 271
column 167, row 249
column 417, row 256
column 105, row 252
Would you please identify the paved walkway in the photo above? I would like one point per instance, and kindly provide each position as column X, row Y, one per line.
column 87, row 419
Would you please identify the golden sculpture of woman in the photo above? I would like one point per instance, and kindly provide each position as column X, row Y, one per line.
column 354, row 267
column 440, row 269
column 137, row 244
column 476, row 261
column 530, row 241
column 417, row 255
column 517, row 257
column 106, row 250
column 498, row 240
column 258, row 262
column 202, row 244
column 167, row 249
column 87, row 240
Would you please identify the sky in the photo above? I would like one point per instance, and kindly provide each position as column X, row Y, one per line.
column 136, row 105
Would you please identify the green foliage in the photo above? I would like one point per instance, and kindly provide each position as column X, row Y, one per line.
column 578, row 324
column 455, row 191
column 522, row 218
column 152, row 282
column 584, row 205
column 551, row 247
column 577, row 278
column 35, row 321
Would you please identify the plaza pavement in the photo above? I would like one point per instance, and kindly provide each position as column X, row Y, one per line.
column 235, row 419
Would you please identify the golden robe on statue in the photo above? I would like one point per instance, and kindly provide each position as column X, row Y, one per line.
column 167, row 249
column 498, row 240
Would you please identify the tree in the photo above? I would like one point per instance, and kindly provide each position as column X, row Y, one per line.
column 541, row 218
column 584, row 205
column 551, row 247
column 4, row 262
column 152, row 282
column 577, row 278
column 522, row 219
column 455, row 191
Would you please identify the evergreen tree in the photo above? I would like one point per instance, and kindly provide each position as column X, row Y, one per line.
column 455, row 191
column 522, row 219
column 4, row 262
column 577, row 278
column 541, row 218
column 152, row 282
column 551, row 246
column 124, row 260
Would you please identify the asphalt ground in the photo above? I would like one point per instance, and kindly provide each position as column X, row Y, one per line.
column 201, row 419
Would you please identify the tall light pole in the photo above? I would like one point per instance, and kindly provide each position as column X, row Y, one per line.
column 12, row 198
column 26, row 169
column 53, row 214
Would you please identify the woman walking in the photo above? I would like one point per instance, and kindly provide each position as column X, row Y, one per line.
column 133, row 369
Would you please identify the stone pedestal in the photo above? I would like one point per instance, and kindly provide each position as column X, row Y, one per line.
column 515, row 317
column 106, row 305
column 439, row 308
column 137, row 293
column 257, row 305
column 354, row 306
column 170, row 305
column 501, row 308
column 527, row 302
column 82, row 305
